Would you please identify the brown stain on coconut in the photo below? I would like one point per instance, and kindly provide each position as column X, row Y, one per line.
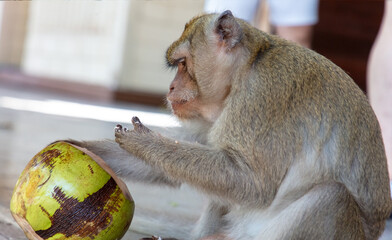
column 86, row 218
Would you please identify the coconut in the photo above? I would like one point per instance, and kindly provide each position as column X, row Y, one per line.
column 67, row 192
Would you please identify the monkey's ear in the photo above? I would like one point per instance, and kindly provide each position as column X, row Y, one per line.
column 228, row 29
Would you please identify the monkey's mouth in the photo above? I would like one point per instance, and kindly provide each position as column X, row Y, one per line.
column 175, row 105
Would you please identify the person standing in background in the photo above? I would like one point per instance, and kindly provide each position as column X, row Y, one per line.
column 292, row 20
column 379, row 80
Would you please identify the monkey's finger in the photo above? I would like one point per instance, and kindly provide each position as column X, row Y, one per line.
column 136, row 120
column 118, row 128
column 138, row 125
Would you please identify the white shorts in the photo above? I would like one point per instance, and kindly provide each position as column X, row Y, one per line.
column 282, row 12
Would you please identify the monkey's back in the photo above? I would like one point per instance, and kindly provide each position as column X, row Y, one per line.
column 304, row 103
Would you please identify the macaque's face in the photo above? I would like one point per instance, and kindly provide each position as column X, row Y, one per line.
column 204, row 71
column 183, row 92
column 184, row 96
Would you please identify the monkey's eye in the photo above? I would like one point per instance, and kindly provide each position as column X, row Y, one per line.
column 181, row 62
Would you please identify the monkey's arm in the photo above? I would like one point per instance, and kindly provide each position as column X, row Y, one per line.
column 124, row 164
column 128, row 166
column 213, row 170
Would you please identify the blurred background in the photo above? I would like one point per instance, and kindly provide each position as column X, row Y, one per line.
column 105, row 50
column 114, row 50
column 74, row 69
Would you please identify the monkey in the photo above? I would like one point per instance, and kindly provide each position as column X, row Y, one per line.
column 281, row 140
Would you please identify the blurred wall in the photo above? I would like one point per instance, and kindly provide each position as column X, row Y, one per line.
column 152, row 26
column 13, row 19
column 119, row 45
column 76, row 40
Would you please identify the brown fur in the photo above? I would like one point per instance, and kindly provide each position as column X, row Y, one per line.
column 290, row 148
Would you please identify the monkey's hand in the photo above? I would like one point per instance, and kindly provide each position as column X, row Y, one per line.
column 135, row 141
column 138, row 127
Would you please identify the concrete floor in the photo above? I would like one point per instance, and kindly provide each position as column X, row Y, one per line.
column 25, row 130
column 25, row 133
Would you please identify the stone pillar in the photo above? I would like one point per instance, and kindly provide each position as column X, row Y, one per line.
column 78, row 41
column 12, row 32
column 152, row 27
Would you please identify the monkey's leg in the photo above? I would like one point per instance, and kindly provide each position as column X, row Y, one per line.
column 327, row 211
column 211, row 221
column 124, row 164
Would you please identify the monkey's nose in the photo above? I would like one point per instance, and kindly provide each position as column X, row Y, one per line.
column 171, row 87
